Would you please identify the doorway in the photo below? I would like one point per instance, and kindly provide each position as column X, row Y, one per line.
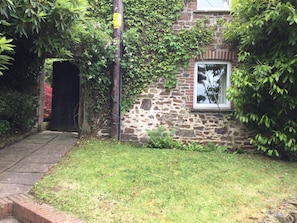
column 65, row 100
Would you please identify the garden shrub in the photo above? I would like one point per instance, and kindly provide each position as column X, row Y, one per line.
column 95, row 59
column 5, row 49
column 263, row 89
column 18, row 109
column 4, row 127
column 161, row 138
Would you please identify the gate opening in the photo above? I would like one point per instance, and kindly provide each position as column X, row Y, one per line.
column 65, row 97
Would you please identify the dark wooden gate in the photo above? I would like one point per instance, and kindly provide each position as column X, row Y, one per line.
column 65, row 96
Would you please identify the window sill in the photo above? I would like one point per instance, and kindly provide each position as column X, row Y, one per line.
column 223, row 11
column 211, row 110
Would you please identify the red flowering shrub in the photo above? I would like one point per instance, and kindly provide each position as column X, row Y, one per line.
column 48, row 91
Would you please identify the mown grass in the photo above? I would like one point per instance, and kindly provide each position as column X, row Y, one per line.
column 102, row 181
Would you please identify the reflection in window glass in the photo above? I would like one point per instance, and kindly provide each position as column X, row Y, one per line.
column 212, row 80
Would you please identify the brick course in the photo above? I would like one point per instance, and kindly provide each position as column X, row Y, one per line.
column 26, row 210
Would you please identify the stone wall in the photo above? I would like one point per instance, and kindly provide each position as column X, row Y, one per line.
column 168, row 108
column 158, row 106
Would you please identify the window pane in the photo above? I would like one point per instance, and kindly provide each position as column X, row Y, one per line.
column 213, row 3
column 211, row 83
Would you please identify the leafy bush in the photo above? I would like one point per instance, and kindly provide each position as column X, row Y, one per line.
column 163, row 139
column 264, row 87
column 5, row 48
column 4, row 126
column 96, row 59
column 18, row 108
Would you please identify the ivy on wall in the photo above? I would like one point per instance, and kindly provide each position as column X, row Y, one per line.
column 151, row 48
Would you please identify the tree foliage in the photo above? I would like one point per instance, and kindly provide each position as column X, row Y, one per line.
column 50, row 25
column 264, row 86
column 37, row 29
column 31, row 30
column 60, row 28
column 6, row 48
column 17, row 110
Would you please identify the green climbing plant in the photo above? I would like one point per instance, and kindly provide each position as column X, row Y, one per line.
column 151, row 48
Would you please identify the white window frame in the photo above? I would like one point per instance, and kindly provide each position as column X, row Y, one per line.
column 201, row 106
column 214, row 9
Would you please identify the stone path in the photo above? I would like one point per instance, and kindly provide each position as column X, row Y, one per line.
column 24, row 163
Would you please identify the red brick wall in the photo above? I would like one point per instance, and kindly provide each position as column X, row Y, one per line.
column 26, row 210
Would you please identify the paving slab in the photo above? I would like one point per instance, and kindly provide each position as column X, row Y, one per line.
column 4, row 165
column 20, row 152
column 24, row 163
column 12, row 189
column 53, row 148
column 43, row 158
column 35, row 141
column 9, row 220
column 22, row 146
column 30, row 167
column 20, row 178
column 12, row 157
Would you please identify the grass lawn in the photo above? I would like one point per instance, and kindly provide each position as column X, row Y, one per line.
column 102, row 181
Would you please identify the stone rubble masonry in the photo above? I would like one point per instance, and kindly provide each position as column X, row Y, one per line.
column 173, row 109
column 26, row 210
column 168, row 108
column 285, row 212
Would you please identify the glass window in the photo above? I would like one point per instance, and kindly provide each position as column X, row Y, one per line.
column 212, row 78
column 220, row 5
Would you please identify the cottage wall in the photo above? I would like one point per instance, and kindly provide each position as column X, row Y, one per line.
column 158, row 106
